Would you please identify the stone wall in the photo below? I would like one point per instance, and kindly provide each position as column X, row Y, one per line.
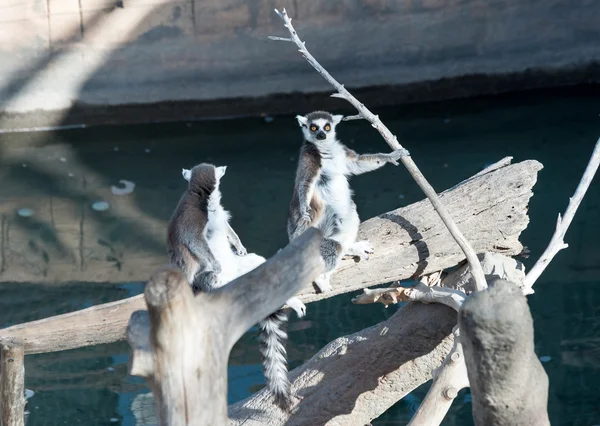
column 57, row 53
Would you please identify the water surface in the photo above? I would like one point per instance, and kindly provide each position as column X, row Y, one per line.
column 59, row 175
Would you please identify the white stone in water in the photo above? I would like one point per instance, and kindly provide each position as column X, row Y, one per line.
column 100, row 206
column 128, row 188
column 63, row 159
column 545, row 358
column 114, row 420
column 110, row 369
column 29, row 393
column 147, row 150
column 25, row 212
column 24, row 165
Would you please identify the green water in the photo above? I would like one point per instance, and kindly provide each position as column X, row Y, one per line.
column 450, row 141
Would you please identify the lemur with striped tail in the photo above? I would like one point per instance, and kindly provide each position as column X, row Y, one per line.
column 203, row 244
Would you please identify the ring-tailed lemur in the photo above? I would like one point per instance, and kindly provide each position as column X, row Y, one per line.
column 203, row 244
column 322, row 196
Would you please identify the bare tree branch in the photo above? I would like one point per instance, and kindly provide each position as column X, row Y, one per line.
column 557, row 242
column 449, row 379
column 392, row 141
column 422, row 292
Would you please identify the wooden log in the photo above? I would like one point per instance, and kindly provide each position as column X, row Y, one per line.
column 96, row 325
column 181, row 344
column 355, row 378
column 490, row 209
column 12, row 383
column 508, row 383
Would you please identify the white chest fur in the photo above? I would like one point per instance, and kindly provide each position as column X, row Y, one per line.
column 334, row 190
column 216, row 233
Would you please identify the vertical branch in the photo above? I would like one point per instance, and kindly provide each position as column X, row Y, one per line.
column 557, row 242
column 392, row 141
column 450, row 378
column 12, row 384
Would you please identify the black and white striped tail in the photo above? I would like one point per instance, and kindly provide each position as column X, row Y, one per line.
column 273, row 336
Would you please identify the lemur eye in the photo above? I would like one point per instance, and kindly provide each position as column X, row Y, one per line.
column 327, row 127
column 313, row 128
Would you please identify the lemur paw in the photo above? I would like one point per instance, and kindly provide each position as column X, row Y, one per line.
column 240, row 250
column 361, row 249
column 394, row 156
column 305, row 216
column 297, row 305
column 206, row 281
column 323, row 284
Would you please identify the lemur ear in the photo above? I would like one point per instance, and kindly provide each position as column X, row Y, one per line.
column 337, row 119
column 302, row 121
column 187, row 174
column 220, row 171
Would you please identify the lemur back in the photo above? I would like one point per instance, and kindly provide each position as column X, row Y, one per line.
column 322, row 196
column 223, row 259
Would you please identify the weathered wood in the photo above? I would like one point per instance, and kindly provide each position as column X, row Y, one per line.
column 491, row 210
column 96, row 325
column 181, row 345
column 450, row 378
column 508, row 383
column 12, row 384
column 356, row 378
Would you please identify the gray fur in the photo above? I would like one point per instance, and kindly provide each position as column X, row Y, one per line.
column 331, row 251
column 272, row 337
column 187, row 246
column 189, row 250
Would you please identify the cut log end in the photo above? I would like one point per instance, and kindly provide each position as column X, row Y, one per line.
column 166, row 283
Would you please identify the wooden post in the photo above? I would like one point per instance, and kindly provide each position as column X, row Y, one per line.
column 181, row 344
column 508, row 383
column 12, row 384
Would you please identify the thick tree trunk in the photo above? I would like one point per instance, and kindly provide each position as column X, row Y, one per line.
column 508, row 383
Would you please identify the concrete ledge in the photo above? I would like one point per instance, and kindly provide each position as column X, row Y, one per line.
column 98, row 53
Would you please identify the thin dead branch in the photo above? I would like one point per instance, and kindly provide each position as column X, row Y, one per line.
column 448, row 380
column 392, row 141
column 557, row 243
column 425, row 292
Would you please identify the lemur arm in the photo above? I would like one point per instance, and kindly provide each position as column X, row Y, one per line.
column 235, row 241
column 308, row 172
column 358, row 164
column 200, row 248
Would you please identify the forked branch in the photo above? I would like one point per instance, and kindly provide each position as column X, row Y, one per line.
column 557, row 243
column 392, row 141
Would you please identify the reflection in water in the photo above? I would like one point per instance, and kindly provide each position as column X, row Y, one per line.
column 64, row 255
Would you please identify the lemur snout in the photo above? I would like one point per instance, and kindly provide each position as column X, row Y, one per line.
column 321, row 135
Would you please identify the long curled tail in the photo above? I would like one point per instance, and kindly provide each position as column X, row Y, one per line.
column 273, row 336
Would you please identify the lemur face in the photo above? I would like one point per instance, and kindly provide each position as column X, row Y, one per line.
column 319, row 126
